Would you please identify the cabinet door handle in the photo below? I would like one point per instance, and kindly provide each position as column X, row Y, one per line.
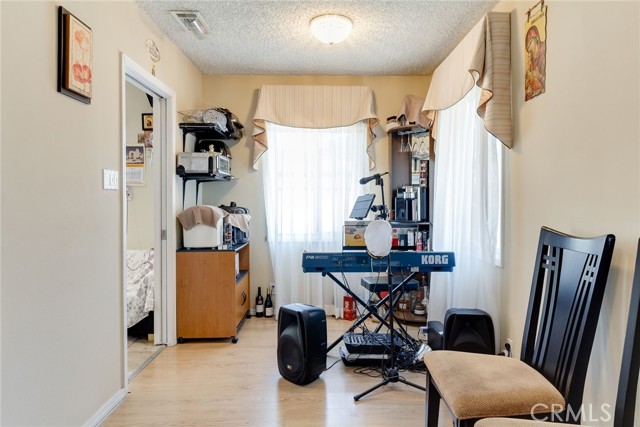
column 244, row 298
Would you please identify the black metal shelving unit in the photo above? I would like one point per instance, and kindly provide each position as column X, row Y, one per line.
column 206, row 132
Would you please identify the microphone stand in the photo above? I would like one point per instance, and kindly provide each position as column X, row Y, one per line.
column 383, row 214
column 390, row 373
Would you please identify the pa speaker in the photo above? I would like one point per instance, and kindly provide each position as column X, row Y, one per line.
column 469, row 330
column 435, row 334
column 302, row 342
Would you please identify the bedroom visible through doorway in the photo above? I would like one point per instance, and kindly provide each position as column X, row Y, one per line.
column 141, row 263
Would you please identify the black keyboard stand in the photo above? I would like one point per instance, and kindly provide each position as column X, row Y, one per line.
column 390, row 373
column 373, row 310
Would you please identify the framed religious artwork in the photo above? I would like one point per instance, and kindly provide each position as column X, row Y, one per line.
column 535, row 55
column 75, row 57
column 147, row 121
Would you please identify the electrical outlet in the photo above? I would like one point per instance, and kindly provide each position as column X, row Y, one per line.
column 509, row 347
column 273, row 288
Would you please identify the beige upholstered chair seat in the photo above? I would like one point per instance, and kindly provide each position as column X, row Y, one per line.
column 490, row 386
column 512, row 422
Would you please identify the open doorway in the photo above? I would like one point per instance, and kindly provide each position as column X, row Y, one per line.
column 141, row 265
column 148, row 266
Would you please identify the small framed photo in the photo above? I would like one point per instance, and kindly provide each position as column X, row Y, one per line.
column 75, row 57
column 147, row 121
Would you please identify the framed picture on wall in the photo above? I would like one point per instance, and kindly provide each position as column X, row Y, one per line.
column 75, row 57
column 135, row 164
column 147, row 121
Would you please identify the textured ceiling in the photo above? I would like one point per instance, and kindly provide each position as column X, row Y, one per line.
column 402, row 37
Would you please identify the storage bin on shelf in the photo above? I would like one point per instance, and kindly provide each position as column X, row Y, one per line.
column 202, row 227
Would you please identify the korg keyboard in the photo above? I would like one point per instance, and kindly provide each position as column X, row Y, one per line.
column 361, row 262
column 408, row 262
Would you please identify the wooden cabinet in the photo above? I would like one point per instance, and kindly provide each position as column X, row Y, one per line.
column 212, row 301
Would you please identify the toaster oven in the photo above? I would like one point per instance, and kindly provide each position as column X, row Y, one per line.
column 203, row 163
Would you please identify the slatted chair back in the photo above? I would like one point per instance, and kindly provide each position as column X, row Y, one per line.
column 628, row 383
column 564, row 305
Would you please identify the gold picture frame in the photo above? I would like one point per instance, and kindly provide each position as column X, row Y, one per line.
column 75, row 57
column 147, row 121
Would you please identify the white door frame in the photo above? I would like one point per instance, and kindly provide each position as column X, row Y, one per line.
column 165, row 209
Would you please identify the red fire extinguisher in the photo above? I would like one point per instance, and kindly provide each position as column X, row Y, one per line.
column 349, row 308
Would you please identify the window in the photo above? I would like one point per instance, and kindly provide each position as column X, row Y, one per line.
column 311, row 180
column 467, row 213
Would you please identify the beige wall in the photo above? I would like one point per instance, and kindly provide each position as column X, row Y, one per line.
column 240, row 95
column 575, row 163
column 61, row 316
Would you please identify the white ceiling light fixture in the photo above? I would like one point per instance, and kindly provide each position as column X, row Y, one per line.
column 331, row 29
column 192, row 21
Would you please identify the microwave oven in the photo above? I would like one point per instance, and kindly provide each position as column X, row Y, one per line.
column 204, row 163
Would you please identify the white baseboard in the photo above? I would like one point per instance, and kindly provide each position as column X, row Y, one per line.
column 106, row 409
column 331, row 310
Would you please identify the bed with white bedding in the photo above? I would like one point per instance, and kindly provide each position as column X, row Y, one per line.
column 140, row 283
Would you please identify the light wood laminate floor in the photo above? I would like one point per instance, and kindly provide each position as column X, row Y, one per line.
column 216, row 383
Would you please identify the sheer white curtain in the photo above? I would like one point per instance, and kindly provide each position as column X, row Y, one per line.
column 467, row 215
column 311, row 181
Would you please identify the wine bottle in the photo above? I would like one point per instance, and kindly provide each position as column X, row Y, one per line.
column 403, row 303
column 259, row 304
column 268, row 305
column 419, row 308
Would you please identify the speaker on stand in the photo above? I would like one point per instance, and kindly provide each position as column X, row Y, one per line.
column 302, row 342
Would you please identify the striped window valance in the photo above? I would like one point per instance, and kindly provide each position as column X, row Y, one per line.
column 482, row 58
column 316, row 107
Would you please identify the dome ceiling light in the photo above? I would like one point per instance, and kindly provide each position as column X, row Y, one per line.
column 331, row 29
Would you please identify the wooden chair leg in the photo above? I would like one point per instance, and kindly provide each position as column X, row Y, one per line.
column 432, row 411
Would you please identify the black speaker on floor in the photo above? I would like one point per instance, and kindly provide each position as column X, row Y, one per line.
column 302, row 342
column 469, row 330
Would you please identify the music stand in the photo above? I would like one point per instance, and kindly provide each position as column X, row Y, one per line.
column 389, row 374
column 362, row 206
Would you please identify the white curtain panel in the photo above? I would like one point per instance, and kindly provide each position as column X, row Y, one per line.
column 311, row 181
column 467, row 212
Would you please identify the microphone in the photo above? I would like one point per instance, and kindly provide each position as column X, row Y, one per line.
column 372, row 177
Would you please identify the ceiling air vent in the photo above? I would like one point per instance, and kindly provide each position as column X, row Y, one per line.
column 192, row 21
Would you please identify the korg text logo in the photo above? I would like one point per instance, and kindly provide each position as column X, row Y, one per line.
column 434, row 259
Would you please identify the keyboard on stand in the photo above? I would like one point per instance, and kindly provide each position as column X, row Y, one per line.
column 408, row 263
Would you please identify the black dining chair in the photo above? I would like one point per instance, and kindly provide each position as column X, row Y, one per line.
column 624, row 412
column 566, row 295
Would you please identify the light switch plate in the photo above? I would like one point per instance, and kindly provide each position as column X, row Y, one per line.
column 109, row 179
